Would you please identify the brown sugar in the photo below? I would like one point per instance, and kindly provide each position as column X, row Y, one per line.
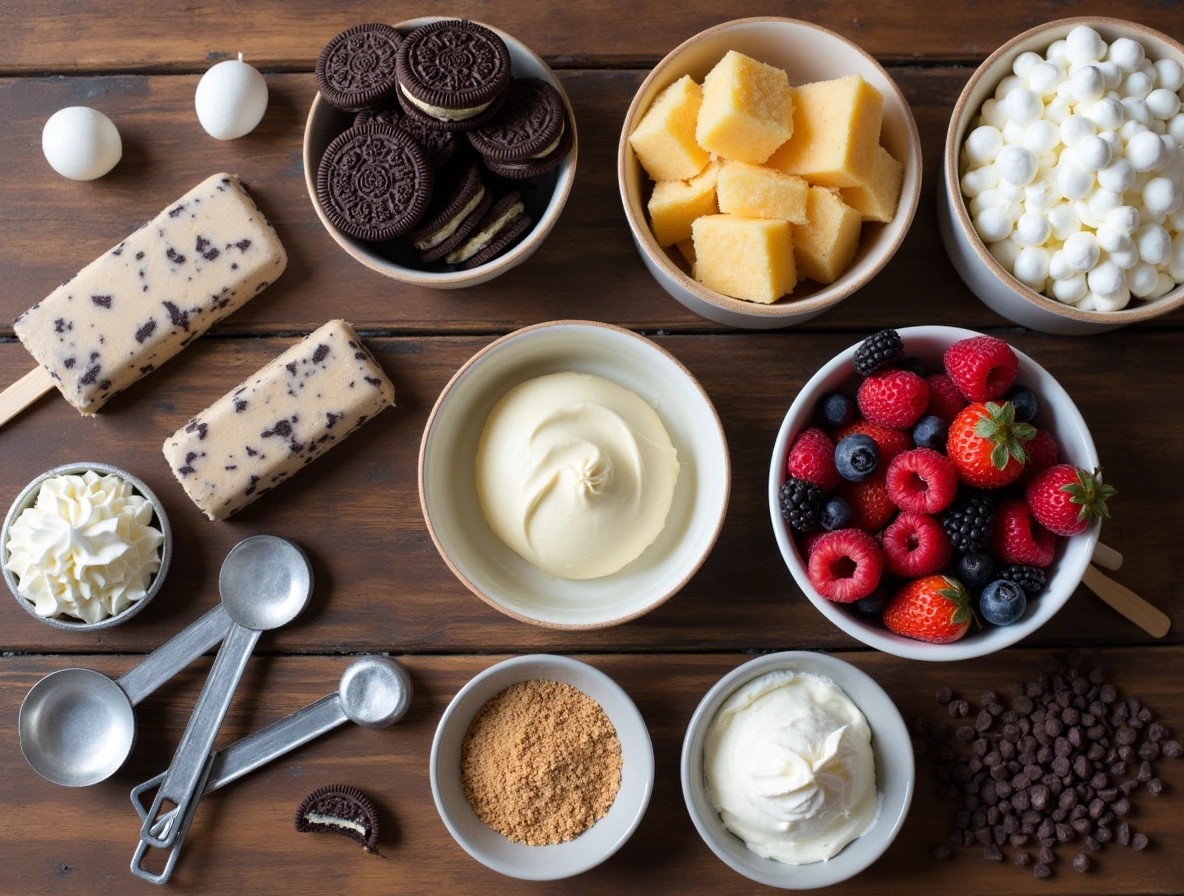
column 541, row 762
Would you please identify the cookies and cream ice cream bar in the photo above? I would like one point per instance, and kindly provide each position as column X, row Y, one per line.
column 137, row 305
column 280, row 420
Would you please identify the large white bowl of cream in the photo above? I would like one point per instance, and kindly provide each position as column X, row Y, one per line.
column 621, row 499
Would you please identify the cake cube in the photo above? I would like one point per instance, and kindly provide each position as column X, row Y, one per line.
column 755, row 191
column 877, row 199
column 664, row 140
column 824, row 246
column 747, row 109
column 836, row 129
column 674, row 204
column 745, row 258
column 686, row 248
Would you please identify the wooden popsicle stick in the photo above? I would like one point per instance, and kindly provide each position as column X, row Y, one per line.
column 24, row 392
column 1140, row 612
column 1106, row 557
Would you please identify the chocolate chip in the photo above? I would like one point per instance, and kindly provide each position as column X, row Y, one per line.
column 1022, row 859
column 944, row 696
column 1081, row 862
column 1122, row 835
column 1156, row 732
column 1041, row 871
column 1107, row 693
column 1155, row 787
column 1047, row 856
column 959, row 709
column 992, row 853
column 1103, row 834
column 1139, row 842
column 941, row 853
column 1173, row 749
column 984, row 721
column 1148, row 751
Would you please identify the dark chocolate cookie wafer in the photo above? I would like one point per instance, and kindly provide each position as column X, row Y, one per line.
column 529, row 126
column 356, row 70
column 453, row 74
column 374, row 182
column 535, row 167
column 500, row 227
column 453, row 214
column 440, row 146
column 339, row 809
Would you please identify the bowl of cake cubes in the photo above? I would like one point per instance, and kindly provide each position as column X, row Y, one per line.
column 769, row 168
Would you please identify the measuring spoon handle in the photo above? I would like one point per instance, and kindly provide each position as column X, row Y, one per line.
column 175, row 654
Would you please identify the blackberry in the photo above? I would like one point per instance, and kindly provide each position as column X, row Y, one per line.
column 1030, row 578
column 877, row 352
column 968, row 522
column 801, row 504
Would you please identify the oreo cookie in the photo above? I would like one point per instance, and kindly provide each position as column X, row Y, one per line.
column 455, row 216
column 529, row 126
column 356, row 69
column 338, row 809
column 440, row 146
column 374, row 182
column 452, row 75
column 496, row 232
column 535, row 167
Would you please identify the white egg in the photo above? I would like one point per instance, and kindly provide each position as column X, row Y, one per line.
column 231, row 99
column 81, row 143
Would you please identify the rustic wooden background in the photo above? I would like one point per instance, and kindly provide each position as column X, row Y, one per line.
column 381, row 585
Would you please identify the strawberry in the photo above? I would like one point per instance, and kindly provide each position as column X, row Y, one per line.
column 812, row 458
column 1042, row 454
column 1017, row 538
column 915, row 545
column 869, row 502
column 922, row 480
column 982, row 367
column 1065, row 499
column 933, row 608
column 945, row 401
column 986, row 444
column 891, row 441
column 893, row 398
column 845, row 565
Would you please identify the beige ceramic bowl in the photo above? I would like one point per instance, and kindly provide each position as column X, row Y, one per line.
column 807, row 53
column 985, row 276
column 544, row 200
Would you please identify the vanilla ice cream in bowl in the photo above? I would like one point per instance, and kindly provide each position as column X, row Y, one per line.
column 797, row 770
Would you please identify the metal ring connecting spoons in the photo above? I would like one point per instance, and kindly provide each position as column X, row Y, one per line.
column 374, row 692
column 265, row 582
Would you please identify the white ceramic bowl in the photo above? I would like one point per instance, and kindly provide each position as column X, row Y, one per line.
column 325, row 123
column 895, row 773
column 985, row 276
column 1057, row 414
column 494, row 572
column 559, row 860
column 807, row 53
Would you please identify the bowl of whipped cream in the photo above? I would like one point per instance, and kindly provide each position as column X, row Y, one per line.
column 85, row 546
column 797, row 770
column 574, row 475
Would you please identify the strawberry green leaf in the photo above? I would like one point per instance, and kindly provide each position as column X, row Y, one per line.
column 999, row 428
column 1091, row 493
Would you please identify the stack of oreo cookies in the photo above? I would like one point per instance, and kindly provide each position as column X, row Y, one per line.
column 404, row 170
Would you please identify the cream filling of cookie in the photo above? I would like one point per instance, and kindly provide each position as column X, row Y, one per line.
column 450, row 228
column 318, row 818
column 444, row 114
column 550, row 149
column 486, row 236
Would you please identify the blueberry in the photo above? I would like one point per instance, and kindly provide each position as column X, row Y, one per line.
column 837, row 514
column 976, row 570
column 1024, row 400
column 836, row 409
column 930, row 432
column 857, row 457
column 913, row 364
column 1002, row 602
column 874, row 603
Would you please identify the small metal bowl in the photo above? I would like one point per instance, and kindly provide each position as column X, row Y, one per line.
column 28, row 497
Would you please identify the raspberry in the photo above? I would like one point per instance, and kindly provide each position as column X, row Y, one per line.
column 915, row 545
column 877, row 352
column 1042, row 454
column 893, row 398
column 869, row 502
column 812, row 458
column 922, row 481
column 845, row 565
column 1017, row 538
column 945, row 400
column 983, row 367
column 891, row 441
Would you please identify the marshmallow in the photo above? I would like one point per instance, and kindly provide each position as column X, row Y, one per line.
column 1070, row 290
column 1018, row 165
column 1157, row 126
column 1058, row 52
column 1081, row 251
column 1033, row 229
column 1007, row 85
column 1129, row 129
column 1102, row 202
column 1025, row 62
column 993, row 224
column 1058, row 268
column 983, row 144
column 1076, row 128
column 1093, row 153
column 1106, row 279
column 1176, row 219
column 993, row 114
column 1135, row 109
column 1163, row 285
column 975, row 181
column 1176, row 262
column 1057, row 111
column 1065, row 91
column 1005, row 252
column 1124, row 219
column 1163, row 103
column 1116, row 177
column 1015, row 134
column 1127, row 54
column 1044, row 78
column 1083, row 44
column 1087, row 217
column 1073, row 181
column 1142, row 279
column 991, row 198
column 1042, row 136
column 1136, row 84
column 1031, row 267
column 1111, row 139
column 1063, row 219
column 1175, row 128
column 1169, row 74
column 1012, row 192
column 1145, row 151
column 1023, row 106
column 1089, row 84
column 1112, row 73
column 1095, row 302
column 1040, row 196
column 1106, row 114
column 1161, row 196
column 1154, row 244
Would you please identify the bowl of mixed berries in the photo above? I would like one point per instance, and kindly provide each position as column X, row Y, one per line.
column 936, row 493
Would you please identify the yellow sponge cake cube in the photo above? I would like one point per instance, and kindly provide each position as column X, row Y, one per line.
column 745, row 258
column 825, row 245
column 674, row 204
column 877, row 199
column 755, row 191
column 665, row 138
column 747, row 109
column 836, row 130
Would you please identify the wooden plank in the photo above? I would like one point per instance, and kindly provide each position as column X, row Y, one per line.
column 382, row 584
column 275, row 33
column 79, row 841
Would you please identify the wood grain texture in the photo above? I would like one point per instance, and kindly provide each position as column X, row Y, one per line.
column 62, row 842
column 381, row 584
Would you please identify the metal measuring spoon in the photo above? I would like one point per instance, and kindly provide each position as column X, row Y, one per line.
column 374, row 692
column 265, row 582
column 77, row 726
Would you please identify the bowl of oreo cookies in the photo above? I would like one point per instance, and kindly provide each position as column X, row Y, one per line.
column 438, row 152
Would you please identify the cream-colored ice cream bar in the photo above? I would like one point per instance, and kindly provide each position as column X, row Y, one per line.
column 134, row 307
column 280, row 420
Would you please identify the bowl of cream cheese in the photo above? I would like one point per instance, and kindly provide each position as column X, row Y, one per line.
column 85, row 546
column 797, row 770
column 574, row 475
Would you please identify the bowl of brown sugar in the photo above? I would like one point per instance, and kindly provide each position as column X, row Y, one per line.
column 541, row 767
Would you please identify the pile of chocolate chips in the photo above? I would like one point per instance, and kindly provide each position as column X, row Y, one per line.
column 1057, row 765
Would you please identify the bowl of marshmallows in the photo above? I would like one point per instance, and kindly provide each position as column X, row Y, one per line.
column 1062, row 204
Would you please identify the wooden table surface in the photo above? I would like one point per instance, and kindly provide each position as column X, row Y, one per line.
column 381, row 585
